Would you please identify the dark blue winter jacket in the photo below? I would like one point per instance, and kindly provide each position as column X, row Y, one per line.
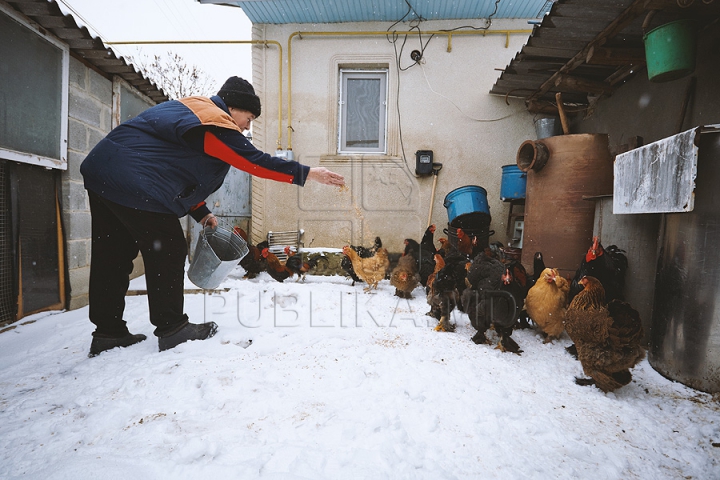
column 172, row 156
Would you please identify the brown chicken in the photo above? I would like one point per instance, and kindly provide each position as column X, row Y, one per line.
column 370, row 270
column 253, row 263
column 607, row 337
column 546, row 301
column 275, row 267
column 404, row 277
column 444, row 245
column 439, row 264
column 465, row 243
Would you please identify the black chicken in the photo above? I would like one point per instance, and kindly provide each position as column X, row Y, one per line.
column 346, row 263
column 607, row 265
column 423, row 253
column 297, row 265
column 489, row 300
column 447, row 286
column 538, row 267
column 253, row 263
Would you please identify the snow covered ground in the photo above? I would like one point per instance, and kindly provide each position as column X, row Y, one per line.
column 318, row 380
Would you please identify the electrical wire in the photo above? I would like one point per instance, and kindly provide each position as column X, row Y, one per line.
column 84, row 20
column 459, row 109
column 393, row 37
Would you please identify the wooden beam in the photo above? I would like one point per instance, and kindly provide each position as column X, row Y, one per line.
column 615, row 56
column 578, row 84
column 617, row 25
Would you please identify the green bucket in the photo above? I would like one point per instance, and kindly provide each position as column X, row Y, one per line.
column 670, row 51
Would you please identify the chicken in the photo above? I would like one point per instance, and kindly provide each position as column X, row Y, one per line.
column 363, row 252
column 519, row 291
column 487, row 303
column 427, row 242
column 253, row 263
column 546, row 302
column 538, row 267
column 608, row 265
column 444, row 245
column 465, row 243
column 423, row 253
column 370, row 270
column 531, row 279
column 445, row 297
column 275, row 267
column 404, row 276
column 297, row 266
column 607, row 336
column 439, row 264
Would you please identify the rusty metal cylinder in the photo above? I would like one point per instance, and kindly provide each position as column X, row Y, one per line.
column 685, row 330
column 558, row 220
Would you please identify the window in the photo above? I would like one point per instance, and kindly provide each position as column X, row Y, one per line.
column 33, row 94
column 128, row 103
column 363, row 111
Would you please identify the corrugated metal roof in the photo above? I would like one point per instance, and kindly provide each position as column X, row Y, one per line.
column 335, row 11
column 48, row 15
column 586, row 49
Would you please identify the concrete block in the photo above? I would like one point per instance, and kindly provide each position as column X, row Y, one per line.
column 78, row 226
column 78, row 301
column 75, row 159
column 85, row 109
column 74, row 197
column 94, row 137
column 78, row 73
column 78, row 254
column 77, row 136
column 79, row 281
column 100, row 87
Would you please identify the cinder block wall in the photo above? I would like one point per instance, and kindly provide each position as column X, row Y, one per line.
column 90, row 110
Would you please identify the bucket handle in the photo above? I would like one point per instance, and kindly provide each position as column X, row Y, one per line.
column 490, row 232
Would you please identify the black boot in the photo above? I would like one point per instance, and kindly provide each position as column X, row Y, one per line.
column 191, row 331
column 100, row 344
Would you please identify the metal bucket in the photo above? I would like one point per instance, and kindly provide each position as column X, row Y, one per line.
column 464, row 200
column 547, row 127
column 217, row 253
column 513, row 184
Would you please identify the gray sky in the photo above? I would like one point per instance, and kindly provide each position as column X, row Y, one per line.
column 138, row 20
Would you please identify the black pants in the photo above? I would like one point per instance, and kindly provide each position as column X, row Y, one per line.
column 118, row 233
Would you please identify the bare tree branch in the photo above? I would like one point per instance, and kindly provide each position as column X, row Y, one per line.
column 173, row 74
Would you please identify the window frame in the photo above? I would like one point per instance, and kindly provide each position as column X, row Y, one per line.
column 61, row 162
column 119, row 85
column 346, row 74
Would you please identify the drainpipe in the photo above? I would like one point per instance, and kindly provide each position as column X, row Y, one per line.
column 226, row 42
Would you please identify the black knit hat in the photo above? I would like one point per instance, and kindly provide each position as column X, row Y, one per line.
column 238, row 93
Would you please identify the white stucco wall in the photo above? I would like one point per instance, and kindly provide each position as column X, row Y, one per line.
column 444, row 106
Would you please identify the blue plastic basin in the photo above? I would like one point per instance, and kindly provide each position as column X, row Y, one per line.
column 464, row 200
column 513, row 184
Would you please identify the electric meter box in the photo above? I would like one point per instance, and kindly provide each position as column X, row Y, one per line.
column 424, row 162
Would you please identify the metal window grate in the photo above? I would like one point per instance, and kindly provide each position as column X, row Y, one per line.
column 277, row 241
column 8, row 302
